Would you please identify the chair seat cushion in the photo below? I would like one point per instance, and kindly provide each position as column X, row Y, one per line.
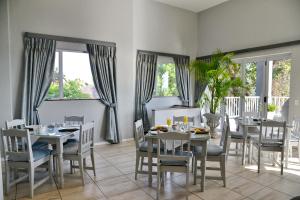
column 212, row 150
column 71, row 140
column 71, row 148
column 143, row 146
column 40, row 145
column 236, row 135
column 37, row 155
column 173, row 163
column 268, row 142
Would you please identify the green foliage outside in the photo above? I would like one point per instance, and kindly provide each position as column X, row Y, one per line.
column 221, row 75
column 72, row 89
column 281, row 78
column 166, row 76
column 250, row 79
column 271, row 107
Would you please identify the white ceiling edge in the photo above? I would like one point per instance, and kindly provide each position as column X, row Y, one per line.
column 193, row 5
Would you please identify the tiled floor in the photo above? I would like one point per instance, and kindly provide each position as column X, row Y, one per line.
column 115, row 180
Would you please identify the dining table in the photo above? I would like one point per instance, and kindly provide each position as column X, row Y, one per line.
column 196, row 140
column 55, row 136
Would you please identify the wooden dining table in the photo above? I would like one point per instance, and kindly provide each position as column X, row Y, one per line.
column 56, row 136
column 196, row 140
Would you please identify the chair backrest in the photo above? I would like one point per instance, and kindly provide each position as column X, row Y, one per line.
column 173, row 138
column 16, row 123
column 86, row 137
column 296, row 127
column 272, row 130
column 139, row 135
column 13, row 149
column 180, row 119
column 225, row 135
column 74, row 120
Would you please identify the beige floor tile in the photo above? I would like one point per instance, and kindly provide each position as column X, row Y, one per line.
column 116, row 186
column 269, row 194
column 132, row 195
column 243, row 186
column 266, row 178
column 286, row 186
column 217, row 193
column 104, row 173
column 89, row 191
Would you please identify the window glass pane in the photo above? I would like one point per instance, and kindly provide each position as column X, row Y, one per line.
column 165, row 77
column 77, row 80
column 53, row 92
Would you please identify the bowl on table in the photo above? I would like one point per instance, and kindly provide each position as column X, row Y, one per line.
column 160, row 128
column 200, row 130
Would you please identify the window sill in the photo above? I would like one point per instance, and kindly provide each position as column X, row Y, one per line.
column 165, row 96
column 72, row 99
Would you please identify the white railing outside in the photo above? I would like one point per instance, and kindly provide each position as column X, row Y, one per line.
column 252, row 104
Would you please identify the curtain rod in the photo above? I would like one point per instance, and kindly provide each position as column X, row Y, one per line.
column 260, row 48
column 161, row 53
column 69, row 39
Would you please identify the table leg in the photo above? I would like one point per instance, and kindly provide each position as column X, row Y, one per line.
column 203, row 165
column 60, row 163
column 244, row 144
column 150, row 150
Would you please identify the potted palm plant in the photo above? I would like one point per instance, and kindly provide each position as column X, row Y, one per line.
column 221, row 75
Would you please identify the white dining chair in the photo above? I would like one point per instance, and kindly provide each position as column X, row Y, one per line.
column 23, row 156
column 79, row 151
column 172, row 160
column 294, row 140
column 74, row 120
column 272, row 139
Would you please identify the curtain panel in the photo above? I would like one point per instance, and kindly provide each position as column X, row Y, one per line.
column 39, row 57
column 146, row 65
column 103, row 67
column 183, row 78
column 200, row 86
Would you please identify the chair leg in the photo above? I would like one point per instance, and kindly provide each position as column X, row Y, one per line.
column 299, row 150
column 93, row 161
column 142, row 163
column 192, row 164
column 258, row 160
column 81, row 167
column 195, row 169
column 236, row 148
column 50, row 169
column 281, row 161
column 223, row 170
column 137, row 160
column 187, row 178
column 7, row 178
column 203, row 168
column 71, row 166
column 31, row 181
column 158, row 183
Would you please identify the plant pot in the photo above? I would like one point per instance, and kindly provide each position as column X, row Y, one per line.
column 270, row 115
column 213, row 121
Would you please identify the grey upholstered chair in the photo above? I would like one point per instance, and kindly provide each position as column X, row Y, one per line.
column 215, row 153
column 173, row 160
column 179, row 119
column 74, row 120
column 141, row 148
column 79, row 151
column 22, row 156
column 271, row 138
column 294, row 140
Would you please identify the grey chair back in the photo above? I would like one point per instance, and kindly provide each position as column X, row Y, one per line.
column 16, row 123
column 272, row 131
column 180, row 119
column 17, row 145
column 225, row 135
column 86, row 137
column 296, row 128
column 172, row 138
column 74, row 120
column 139, row 135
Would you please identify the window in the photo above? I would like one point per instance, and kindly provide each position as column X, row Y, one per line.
column 72, row 77
column 165, row 77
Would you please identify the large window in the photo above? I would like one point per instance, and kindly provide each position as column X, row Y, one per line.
column 165, row 77
column 72, row 77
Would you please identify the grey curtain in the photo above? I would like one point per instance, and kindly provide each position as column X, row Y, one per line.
column 39, row 56
column 183, row 78
column 145, row 83
column 103, row 66
column 199, row 86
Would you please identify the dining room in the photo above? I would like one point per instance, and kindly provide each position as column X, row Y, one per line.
column 149, row 99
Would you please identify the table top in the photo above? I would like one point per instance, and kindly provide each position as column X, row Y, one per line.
column 194, row 137
column 54, row 133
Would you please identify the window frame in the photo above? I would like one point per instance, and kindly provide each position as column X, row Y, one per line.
column 61, row 77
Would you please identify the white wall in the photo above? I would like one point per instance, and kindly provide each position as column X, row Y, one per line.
column 106, row 20
column 5, row 105
column 240, row 24
column 132, row 24
column 162, row 28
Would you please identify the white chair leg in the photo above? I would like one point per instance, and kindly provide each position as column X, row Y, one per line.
column 71, row 166
column 93, row 161
column 158, row 183
column 142, row 163
column 31, row 181
column 50, row 169
column 223, row 170
column 7, row 178
column 281, row 161
column 195, row 169
column 81, row 168
column 137, row 160
column 258, row 160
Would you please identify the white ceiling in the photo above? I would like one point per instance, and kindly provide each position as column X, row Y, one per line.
column 192, row 5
